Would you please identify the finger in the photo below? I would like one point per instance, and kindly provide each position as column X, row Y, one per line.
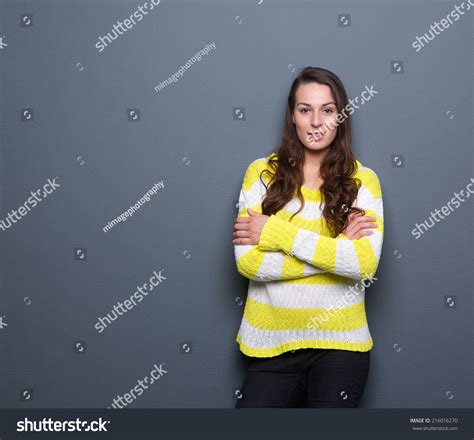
column 242, row 220
column 241, row 226
column 364, row 233
column 350, row 216
column 354, row 214
column 364, row 218
column 241, row 234
column 364, row 225
column 353, row 226
column 241, row 241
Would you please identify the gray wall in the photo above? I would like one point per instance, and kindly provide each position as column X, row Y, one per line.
column 188, row 138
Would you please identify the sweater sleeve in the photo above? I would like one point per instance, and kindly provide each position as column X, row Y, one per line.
column 356, row 259
column 253, row 262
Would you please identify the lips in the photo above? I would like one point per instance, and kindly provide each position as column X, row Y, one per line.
column 316, row 135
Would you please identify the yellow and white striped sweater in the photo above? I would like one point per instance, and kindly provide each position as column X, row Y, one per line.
column 306, row 289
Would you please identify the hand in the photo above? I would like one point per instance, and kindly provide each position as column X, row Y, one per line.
column 247, row 229
column 359, row 226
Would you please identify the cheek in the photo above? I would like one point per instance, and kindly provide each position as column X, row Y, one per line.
column 332, row 134
column 331, row 121
column 331, row 125
column 303, row 122
column 300, row 123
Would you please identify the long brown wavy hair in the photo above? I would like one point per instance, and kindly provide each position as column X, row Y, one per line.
column 339, row 188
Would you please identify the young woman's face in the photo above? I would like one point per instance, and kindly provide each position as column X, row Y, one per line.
column 315, row 116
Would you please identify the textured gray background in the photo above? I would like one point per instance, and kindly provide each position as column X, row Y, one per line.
column 188, row 138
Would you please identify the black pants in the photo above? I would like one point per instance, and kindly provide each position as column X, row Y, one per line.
column 306, row 378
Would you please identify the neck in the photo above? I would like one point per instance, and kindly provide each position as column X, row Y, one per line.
column 313, row 160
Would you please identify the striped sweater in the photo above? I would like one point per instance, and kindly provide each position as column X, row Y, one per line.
column 306, row 288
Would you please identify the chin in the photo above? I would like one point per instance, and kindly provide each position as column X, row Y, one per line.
column 318, row 147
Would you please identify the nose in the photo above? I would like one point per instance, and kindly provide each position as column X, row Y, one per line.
column 315, row 120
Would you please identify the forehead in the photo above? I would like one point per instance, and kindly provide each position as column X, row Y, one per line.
column 314, row 94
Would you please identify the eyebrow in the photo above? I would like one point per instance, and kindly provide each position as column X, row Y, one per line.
column 322, row 105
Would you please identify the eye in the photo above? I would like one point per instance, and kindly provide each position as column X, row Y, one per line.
column 304, row 110
column 328, row 110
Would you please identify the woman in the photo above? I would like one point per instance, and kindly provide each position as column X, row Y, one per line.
column 309, row 237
